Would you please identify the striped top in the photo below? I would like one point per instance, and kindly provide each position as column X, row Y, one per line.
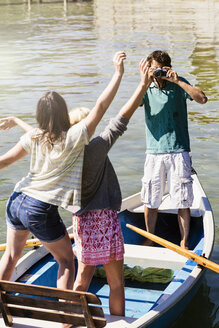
column 55, row 175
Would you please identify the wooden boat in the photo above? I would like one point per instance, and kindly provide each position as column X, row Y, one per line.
column 153, row 303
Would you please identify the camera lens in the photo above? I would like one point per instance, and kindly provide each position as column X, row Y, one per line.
column 159, row 72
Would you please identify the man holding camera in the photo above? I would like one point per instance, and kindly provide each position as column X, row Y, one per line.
column 167, row 156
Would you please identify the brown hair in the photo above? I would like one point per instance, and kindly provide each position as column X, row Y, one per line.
column 161, row 57
column 52, row 117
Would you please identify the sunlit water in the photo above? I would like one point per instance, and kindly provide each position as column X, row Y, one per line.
column 69, row 49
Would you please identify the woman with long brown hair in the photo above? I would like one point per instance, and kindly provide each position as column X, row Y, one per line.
column 54, row 179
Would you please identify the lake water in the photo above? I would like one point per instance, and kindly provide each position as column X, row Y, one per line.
column 69, row 48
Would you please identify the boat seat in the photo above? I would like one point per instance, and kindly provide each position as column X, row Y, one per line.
column 195, row 212
column 50, row 304
column 135, row 205
column 157, row 257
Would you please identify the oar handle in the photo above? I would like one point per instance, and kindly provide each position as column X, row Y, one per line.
column 192, row 256
column 29, row 243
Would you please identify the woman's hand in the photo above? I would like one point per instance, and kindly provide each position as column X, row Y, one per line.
column 146, row 72
column 118, row 59
column 107, row 96
column 7, row 123
column 11, row 121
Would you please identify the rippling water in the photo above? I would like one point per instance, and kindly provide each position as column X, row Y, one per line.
column 69, row 49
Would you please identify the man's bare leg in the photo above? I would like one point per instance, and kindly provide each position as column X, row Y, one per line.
column 184, row 226
column 150, row 215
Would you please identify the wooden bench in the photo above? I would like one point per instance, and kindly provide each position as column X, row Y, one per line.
column 50, row 304
column 157, row 257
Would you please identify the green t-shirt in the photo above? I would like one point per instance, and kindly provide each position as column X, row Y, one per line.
column 166, row 119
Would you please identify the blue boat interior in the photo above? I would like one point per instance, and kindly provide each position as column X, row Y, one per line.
column 140, row 297
column 167, row 227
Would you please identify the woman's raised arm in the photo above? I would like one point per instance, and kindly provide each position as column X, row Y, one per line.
column 136, row 99
column 107, row 96
column 11, row 121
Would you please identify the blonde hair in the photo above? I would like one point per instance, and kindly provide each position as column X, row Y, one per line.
column 77, row 114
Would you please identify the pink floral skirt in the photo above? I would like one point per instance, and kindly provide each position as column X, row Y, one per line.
column 98, row 237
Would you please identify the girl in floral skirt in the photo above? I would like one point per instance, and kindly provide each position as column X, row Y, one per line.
column 97, row 233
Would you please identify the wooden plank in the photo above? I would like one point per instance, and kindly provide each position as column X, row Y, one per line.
column 51, row 304
column 5, row 311
column 76, row 319
column 73, row 308
column 44, row 303
column 45, row 291
column 87, row 316
column 47, row 315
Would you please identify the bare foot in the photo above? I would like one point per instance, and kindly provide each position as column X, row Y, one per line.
column 184, row 245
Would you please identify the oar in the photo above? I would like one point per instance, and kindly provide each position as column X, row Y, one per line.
column 190, row 255
column 29, row 243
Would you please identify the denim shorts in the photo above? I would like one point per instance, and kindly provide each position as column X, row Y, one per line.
column 42, row 219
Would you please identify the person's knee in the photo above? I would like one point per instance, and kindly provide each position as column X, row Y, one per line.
column 84, row 276
column 12, row 256
column 67, row 262
column 152, row 210
column 115, row 282
column 184, row 211
column 81, row 285
column 82, row 282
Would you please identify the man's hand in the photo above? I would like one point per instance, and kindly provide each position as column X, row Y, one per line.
column 195, row 93
column 171, row 75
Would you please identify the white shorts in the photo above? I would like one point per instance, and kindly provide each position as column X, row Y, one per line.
column 173, row 168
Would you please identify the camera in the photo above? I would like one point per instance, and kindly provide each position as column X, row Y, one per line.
column 160, row 72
